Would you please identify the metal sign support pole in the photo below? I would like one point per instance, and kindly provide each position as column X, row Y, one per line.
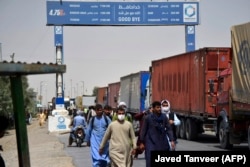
column 20, row 124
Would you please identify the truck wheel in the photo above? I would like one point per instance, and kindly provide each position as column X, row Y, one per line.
column 248, row 137
column 182, row 129
column 177, row 132
column 191, row 129
column 224, row 136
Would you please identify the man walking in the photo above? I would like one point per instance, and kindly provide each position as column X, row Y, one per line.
column 154, row 133
column 173, row 119
column 95, row 132
column 120, row 133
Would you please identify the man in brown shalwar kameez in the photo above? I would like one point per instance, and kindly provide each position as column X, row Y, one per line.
column 120, row 133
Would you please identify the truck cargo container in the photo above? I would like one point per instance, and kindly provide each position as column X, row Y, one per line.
column 102, row 95
column 133, row 90
column 88, row 100
column 113, row 94
column 206, row 92
column 184, row 80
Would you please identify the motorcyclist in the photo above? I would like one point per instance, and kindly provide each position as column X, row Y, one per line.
column 78, row 120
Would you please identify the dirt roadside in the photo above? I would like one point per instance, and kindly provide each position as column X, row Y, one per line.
column 45, row 149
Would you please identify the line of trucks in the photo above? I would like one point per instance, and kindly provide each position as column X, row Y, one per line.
column 209, row 89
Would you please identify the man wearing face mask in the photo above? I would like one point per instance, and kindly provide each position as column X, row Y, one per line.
column 173, row 119
column 128, row 116
column 120, row 133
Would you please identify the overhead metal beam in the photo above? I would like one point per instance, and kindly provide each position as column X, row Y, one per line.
column 19, row 68
column 15, row 71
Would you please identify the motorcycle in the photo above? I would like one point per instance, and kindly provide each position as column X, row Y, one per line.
column 79, row 136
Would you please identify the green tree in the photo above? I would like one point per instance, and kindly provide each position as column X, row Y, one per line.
column 5, row 96
column 6, row 106
column 95, row 89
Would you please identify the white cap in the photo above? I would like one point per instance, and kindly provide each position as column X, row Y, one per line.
column 122, row 104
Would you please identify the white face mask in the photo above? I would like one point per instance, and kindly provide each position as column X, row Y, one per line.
column 121, row 117
column 165, row 109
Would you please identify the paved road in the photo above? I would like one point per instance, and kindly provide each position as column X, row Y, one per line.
column 81, row 155
column 51, row 149
column 206, row 142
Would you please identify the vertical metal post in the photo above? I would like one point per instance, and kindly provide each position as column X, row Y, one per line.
column 82, row 87
column 58, row 36
column 19, row 115
column 1, row 59
column 190, row 38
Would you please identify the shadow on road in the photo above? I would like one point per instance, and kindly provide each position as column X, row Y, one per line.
column 213, row 141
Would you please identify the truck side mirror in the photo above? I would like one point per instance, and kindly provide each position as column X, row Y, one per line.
column 211, row 85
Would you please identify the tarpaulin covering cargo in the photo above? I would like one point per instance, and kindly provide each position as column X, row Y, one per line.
column 240, row 35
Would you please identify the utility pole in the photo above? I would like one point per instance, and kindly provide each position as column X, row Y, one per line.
column 76, row 89
column 41, row 97
column 70, row 88
column 82, row 87
column 1, row 57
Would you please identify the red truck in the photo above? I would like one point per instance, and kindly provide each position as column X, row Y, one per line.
column 113, row 94
column 102, row 95
column 209, row 89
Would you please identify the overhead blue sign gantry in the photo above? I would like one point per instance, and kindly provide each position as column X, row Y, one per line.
column 78, row 13
column 122, row 13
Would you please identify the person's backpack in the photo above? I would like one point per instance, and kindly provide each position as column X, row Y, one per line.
column 128, row 117
column 105, row 118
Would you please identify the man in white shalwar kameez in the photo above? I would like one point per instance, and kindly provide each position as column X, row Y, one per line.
column 120, row 133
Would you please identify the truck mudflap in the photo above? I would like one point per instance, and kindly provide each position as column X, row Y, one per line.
column 248, row 137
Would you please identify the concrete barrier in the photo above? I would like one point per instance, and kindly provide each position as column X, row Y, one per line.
column 59, row 121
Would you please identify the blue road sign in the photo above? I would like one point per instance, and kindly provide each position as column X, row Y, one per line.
column 122, row 13
column 190, row 38
column 58, row 32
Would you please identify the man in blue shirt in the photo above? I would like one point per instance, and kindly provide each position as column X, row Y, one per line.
column 96, row 129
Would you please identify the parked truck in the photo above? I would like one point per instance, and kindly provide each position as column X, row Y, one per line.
column 133, row 90
column 209, row 89
column 113, row 94
column 88, row 100
column 102, row 95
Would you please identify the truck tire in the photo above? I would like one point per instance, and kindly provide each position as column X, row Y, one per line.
column 177, row 132
column 248, row 137
column 224, row 136
column 182, row 129
column 191, row 129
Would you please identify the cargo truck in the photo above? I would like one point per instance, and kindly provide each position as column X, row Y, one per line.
column 102, row 95
column 209, row 89
column 88, row 100
column 133, row 90
column 113, row 94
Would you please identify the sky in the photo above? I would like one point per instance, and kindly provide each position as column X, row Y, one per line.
column 100, row 55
